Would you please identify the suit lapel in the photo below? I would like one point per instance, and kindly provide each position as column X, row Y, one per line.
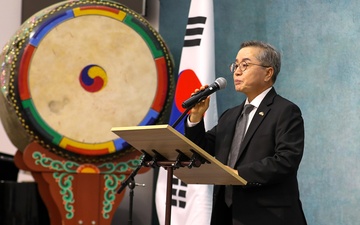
column 259, row 116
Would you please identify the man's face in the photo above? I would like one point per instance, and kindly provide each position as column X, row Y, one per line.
column 256, row 77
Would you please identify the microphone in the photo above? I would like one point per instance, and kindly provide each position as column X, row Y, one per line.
column 219, row 83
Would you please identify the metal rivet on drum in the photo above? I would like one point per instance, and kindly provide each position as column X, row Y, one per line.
column 80, row 222
column 93, row 222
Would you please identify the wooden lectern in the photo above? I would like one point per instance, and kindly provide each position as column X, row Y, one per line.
column 163, row 146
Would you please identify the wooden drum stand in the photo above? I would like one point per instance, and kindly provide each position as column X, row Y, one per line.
column 76, row 193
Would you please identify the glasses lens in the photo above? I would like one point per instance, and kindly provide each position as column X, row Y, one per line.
column 233, row 67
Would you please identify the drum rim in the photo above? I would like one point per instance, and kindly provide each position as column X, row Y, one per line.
column 162, row 59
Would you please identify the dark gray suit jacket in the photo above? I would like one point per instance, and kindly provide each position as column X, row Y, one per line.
column 269, row 158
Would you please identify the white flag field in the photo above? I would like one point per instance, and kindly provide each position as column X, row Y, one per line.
column 192, row 204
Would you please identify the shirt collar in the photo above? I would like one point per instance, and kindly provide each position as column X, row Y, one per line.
column 256, row 101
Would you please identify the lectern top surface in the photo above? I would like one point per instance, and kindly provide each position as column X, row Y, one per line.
column 168, row 142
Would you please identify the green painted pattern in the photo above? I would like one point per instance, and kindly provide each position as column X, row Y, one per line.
column 145, row 35
column 40, row 123
column 64, row 179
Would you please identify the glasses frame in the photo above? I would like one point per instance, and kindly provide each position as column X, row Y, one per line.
column 233, row 66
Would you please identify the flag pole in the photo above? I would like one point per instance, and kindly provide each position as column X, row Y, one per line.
column 196, row 68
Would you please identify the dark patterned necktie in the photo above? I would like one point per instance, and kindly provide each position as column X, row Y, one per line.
column 239, row 134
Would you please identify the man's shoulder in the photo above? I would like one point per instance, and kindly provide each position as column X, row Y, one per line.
column 274, row 97
column 285, row 101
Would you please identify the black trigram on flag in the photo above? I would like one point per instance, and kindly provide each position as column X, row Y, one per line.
column 178, row 193
column 194, row 31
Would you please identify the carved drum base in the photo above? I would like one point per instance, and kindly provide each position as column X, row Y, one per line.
column 76, row 193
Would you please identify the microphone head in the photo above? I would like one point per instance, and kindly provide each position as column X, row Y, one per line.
column 221, row 82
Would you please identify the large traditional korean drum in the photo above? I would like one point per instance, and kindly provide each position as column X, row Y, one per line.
column 78, row 68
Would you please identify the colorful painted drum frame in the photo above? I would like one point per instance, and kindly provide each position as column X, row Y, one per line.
column 33, row 121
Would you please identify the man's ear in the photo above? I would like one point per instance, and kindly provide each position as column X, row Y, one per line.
column 269, row 74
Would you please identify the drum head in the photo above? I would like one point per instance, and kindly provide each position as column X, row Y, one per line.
column 84, row 68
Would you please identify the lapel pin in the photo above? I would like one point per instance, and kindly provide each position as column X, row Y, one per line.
column 261, row 113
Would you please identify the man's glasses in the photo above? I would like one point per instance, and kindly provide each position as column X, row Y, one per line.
column 243, row 66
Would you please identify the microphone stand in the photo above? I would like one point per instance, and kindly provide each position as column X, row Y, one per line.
column 130, row 182
column 181, row 117
column 131, row 186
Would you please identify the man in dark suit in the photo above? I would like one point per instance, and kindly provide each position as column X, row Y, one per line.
column 270, row 152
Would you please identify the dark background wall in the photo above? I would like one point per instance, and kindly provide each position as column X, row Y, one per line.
column 320, row 72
